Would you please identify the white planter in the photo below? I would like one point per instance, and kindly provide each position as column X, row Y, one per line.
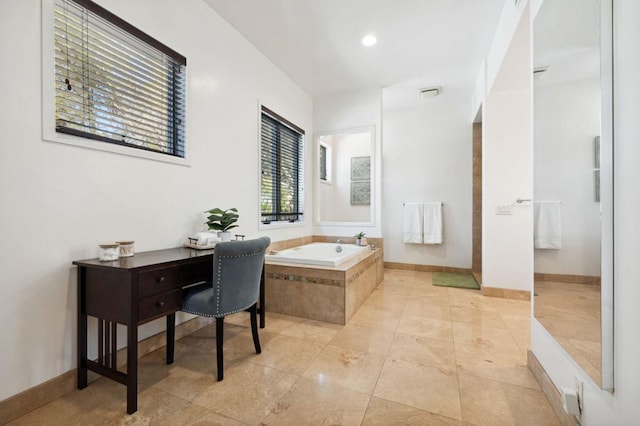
column 224, row 236
column 361, row 241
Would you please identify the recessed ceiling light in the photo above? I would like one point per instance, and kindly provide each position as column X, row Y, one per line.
column 369, row 40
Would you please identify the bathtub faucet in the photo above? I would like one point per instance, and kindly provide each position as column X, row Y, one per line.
column 340, row 242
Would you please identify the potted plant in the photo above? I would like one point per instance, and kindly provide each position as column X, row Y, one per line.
column 222, row 221
column 361, row 240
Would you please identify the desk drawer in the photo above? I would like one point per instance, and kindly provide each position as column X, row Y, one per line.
column 158, row 305
column 157, row 281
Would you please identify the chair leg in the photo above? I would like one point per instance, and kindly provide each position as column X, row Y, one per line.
column 219, row 339
column 254, row 327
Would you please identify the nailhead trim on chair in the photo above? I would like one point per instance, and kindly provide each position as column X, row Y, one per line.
column 219, row 315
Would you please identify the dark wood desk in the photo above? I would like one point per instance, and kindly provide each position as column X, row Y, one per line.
column 132, row 291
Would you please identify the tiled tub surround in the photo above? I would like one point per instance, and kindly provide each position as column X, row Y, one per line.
column 325, row 293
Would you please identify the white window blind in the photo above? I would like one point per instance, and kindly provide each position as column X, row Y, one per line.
column 114, row 83
column 282, row 169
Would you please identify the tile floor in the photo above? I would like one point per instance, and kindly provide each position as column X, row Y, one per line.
column 413, row 354
column 571, row 313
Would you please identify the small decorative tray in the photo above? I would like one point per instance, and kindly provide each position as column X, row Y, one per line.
column 198, row 247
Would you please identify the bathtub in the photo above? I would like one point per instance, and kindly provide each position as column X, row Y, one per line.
column 322, row 254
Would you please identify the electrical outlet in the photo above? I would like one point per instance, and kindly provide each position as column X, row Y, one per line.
column 504, row 209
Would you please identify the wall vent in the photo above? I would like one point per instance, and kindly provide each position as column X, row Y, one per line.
column 429, row 92
column 539, row 72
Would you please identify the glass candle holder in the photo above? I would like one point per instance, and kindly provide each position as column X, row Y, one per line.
column 108, row 252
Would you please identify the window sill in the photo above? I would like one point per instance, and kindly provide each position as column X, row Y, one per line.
column 280, row 225
column 80, row 142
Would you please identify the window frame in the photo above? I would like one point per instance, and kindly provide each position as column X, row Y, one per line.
column 300, row 167
column 328, row 163
column 49, row 133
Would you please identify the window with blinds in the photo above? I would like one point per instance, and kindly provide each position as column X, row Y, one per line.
column 114, row 83
column 282, row 169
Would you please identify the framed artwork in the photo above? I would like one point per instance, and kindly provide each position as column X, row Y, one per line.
column 360, row 193
column 361, row 168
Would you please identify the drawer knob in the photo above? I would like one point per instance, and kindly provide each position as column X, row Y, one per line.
column 160, row 304
column 161, row 279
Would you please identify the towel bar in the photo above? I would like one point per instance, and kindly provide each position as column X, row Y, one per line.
column 441, row 203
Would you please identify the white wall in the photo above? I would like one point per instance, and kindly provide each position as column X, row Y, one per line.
column 507, row 167
column 567, row 118
column 59, row 202
column 619, row 407
column 349, row 110
column 427, row 156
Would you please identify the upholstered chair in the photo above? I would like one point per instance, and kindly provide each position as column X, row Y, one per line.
column 235, row 287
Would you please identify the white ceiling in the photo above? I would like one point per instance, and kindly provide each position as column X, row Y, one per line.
column 317, row 43
column 566, row 38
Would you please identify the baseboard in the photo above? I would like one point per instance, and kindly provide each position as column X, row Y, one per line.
column 565, row 278
column 425, row 268
column 18, row 405
column 506, row 293
column 549, row 390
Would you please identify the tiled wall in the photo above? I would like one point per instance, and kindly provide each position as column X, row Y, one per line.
column 476, row 255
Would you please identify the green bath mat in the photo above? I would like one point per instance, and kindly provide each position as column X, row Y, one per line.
column 448, row 279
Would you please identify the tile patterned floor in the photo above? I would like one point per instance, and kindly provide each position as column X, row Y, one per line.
column 414, row 354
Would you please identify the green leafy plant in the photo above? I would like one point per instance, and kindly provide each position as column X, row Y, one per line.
column 222, row 220
column 360, row 235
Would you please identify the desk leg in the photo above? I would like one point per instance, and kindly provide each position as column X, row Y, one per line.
column 262, row 297
column 171, row 336
column 132, row 368
column 82, row 330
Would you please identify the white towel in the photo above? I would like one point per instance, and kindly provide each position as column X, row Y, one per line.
column 413, row 223
column 547, row 230
column 432, row 227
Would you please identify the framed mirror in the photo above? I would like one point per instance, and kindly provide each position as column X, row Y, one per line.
column 344, row 177
column 573, row 281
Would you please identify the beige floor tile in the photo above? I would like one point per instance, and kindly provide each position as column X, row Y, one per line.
column 316, row 331
column 350, row 369
column 423, row 351
column 425, row 327
column 427, row 307
column 491, row 354
column 487, row 402
column 384, row 413
column 511, row 306
column 314, row 403
column 276, row 322
column 398, row 287
column 247, row 393
column 459, row 297
column 376, row 318
column 363, row 339
column 427, row 388
column 479, row 317
column 289, row 354
column 387, row 301
column 102, row 397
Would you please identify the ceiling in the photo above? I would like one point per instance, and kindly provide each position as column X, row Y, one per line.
column 317, row 43
column 566, row 39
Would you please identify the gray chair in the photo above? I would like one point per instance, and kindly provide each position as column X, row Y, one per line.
column 237, row 270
